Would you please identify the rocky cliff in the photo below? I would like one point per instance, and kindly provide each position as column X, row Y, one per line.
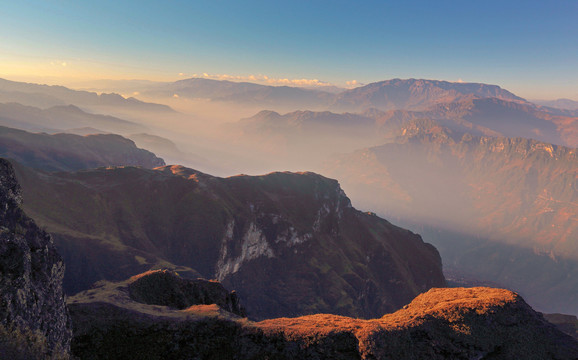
column 289, row 243
column 459, row 323
column 31, row 272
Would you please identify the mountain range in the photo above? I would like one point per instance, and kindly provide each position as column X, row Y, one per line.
column 46, row 96
column 476, row 197
column 62, row 118
column 241, row 92
column 478, row 116
column 486, row 176
column 410, row 94
column 416, row 94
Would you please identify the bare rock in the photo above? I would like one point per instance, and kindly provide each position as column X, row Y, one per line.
column 31, row 273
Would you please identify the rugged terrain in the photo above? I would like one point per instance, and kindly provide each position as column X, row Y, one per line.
column 500, row 209
column 289, row 243
column 465, row 323
column 33, row 316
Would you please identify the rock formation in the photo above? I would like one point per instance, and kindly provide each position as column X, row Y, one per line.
column 31, row 272
column 166, row 288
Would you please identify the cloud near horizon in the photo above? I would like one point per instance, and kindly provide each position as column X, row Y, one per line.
column 353, row 83
column 59, row 63
column 264, row 79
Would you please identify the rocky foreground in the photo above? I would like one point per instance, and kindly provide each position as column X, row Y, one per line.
column 34, row 322
column 110, row 321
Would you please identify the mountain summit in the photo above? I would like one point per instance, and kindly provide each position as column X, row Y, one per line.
column 416, row 94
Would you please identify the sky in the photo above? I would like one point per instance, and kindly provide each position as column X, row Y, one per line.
column 528, row 47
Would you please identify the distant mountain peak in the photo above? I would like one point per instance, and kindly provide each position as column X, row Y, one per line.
column 416, row 94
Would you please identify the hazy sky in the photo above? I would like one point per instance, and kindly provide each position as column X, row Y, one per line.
column 528, row 47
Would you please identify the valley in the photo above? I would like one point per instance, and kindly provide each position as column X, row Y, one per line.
column 485, row 180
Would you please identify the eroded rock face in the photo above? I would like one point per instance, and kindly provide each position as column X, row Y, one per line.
column 31, row 272
column 448, row 323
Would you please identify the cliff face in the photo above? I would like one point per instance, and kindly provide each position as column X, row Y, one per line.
column 289, row 243
column 31, row 272
column 460, row 323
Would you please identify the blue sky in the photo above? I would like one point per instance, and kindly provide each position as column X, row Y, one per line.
column 529, row 47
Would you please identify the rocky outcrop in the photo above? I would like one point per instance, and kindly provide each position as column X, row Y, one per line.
column 31, row 272
column 459, row 323
column 290, row 244
column 166, row 288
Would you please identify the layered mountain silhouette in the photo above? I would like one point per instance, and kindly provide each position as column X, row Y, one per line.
column 507, row 206
column 492, row 117
column 302, row 139
column 69, row 152
column 62, row 118
column 242, row 92
column 477, row 116
column 45, row 96
column 409, row 94
column 289, row 243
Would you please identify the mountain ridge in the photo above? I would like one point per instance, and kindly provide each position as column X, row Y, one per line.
column 508, row 200
column 55, row 95
column 69, row 152
column 416, row 94
column 296, row 232
column 60, row 118
column 439, row 324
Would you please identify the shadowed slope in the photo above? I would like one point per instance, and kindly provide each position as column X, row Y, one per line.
column 289, row 243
